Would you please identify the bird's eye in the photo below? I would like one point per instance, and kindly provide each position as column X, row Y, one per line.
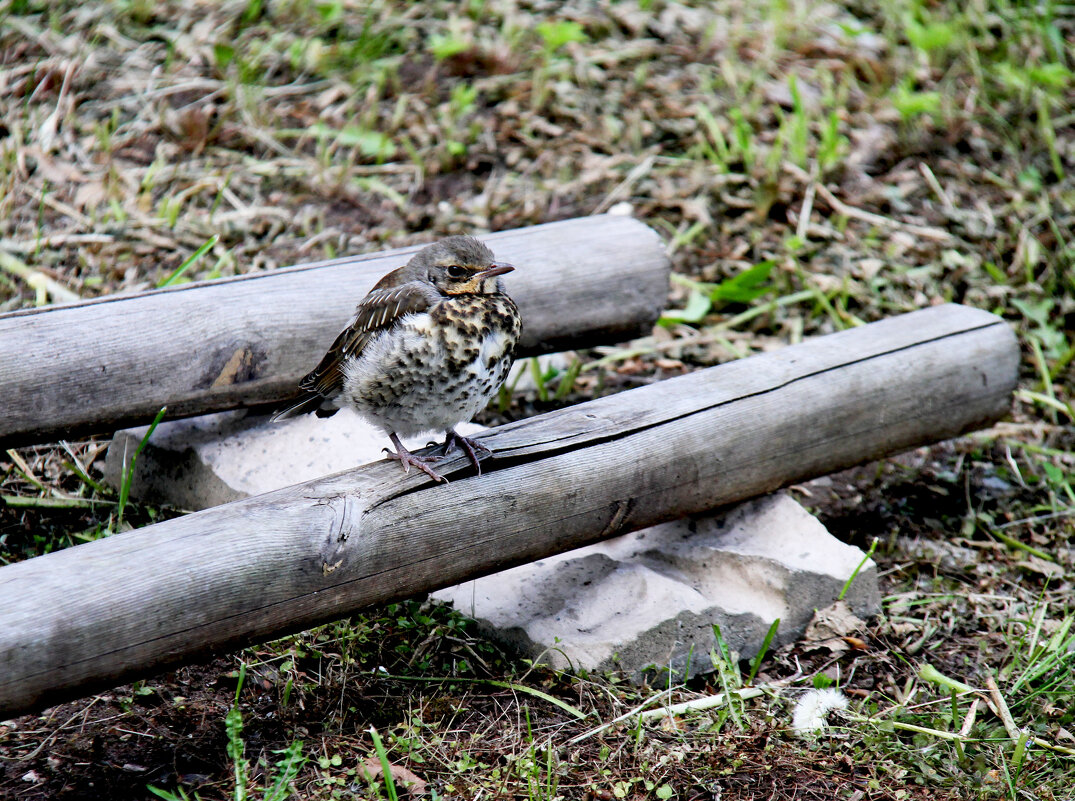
column 455, row 271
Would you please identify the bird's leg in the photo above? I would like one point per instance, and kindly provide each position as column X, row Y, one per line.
column 406, row 459
column 469, row 446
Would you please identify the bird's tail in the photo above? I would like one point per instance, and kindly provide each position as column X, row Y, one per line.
column 306, row 403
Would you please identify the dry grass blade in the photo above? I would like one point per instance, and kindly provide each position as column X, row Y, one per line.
column 840, row 207
column 879, row 158
column 43, row 286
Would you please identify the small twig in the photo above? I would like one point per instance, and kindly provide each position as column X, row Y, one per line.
column 54, row 734
column 1012, row 542
column 56, row 502
column 24, row 468
column 35, row 279
column 1000, row 707
column 944, row 735
column 49, row 129
column 935, row 185
column 694, row 705
column 54, row 241
column 701, row 704
column 968, row 721
column 623, row 189
column 1052, row 746
column 1037, row 518
column 619, row 719
column 1018, row 475
column 65, row 209
column 807, row 209
column 876, row 219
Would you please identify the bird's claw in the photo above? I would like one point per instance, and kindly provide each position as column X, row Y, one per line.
column 407, row 459
column 471, row 447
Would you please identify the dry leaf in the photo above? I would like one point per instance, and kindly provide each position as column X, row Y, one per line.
column 1036, row 564
column 833, row 621
column 415, row 784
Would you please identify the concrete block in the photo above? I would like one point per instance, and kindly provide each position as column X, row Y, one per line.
column 206, row 461
column 648, row 601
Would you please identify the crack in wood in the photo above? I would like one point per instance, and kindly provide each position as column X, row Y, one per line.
column 276, row 563
column 618, row 517
column 513, row 456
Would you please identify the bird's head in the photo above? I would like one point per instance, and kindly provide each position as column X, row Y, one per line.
column 460, row 265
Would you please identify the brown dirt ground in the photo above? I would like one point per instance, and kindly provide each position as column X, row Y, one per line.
column 131, row 132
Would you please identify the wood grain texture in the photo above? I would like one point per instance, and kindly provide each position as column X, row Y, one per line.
column 112, row 362
column 96, row 614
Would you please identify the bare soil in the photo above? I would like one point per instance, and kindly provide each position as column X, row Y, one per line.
column 881, row 156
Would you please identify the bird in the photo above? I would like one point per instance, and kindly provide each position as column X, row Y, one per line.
column 425, row 350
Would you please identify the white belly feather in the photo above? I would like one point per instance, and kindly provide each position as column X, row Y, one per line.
column 401, row 381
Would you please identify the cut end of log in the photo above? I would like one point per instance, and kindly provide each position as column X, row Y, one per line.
column 205, row 347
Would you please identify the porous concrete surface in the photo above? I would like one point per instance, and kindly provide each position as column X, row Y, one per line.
column 206, row 461
column 648, row 601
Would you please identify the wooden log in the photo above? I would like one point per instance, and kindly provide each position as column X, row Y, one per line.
column 112, row 362
column 96, row 614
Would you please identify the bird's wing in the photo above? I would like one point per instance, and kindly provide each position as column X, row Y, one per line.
column 377, row 312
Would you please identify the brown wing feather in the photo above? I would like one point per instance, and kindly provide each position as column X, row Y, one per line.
column 377, row 311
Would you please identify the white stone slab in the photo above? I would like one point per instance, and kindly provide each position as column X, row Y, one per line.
column 206, row 461
column 650, row 599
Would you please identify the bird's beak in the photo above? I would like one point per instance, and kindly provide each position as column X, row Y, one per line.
column 498, row 268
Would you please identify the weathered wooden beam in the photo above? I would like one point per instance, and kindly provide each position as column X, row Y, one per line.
column 112, row 362
column 96, row 614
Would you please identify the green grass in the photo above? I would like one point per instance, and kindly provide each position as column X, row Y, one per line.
column 810, row 168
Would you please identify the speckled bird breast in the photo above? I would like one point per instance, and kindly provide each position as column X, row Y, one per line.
column 435, row 369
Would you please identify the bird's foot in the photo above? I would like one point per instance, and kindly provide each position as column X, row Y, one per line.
column 471, row 447
column 408, row 459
